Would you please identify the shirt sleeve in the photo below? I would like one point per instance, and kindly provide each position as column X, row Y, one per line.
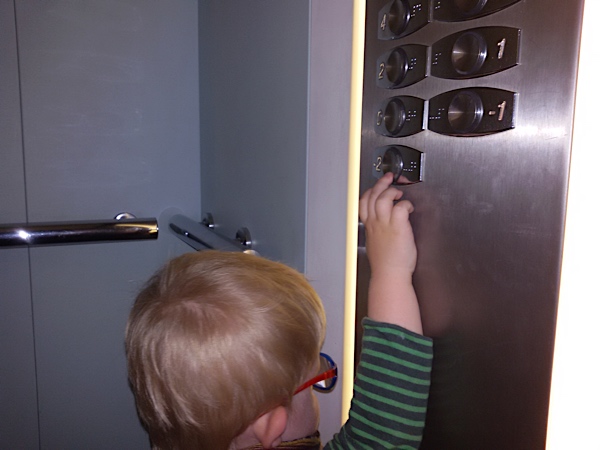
column 391, row 389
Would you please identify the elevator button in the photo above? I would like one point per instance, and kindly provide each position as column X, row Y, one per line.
column 396, row 67
column 392, row 162
column 468, row 53
column 402, row 66
column 405, row 163
column 465, row 112
column 472, row 112
column 394, row 116
column 475, row 52
column 399, row 18
column 458, row 10
column 400, row 116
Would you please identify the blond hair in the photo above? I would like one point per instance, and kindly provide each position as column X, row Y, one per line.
column 216, row 339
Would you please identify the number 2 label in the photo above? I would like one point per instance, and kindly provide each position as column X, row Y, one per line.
column 377, row 164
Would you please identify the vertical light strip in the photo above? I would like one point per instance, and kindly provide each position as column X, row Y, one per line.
column 358, row 46
column 575, row 396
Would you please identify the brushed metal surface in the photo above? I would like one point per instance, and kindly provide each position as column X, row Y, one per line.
column 489, row 224
column 60, row 233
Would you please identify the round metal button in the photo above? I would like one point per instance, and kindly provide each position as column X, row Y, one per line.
column 465, row 112
column 469, row 53
column 392, row 162
column 398, row 17
column 396, row 66
column 394, row 117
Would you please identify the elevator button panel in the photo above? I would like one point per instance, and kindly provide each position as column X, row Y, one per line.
column 405, row 163
column 476, row 52
column 399, row 18
column 458, row 10
column 402, row 66
column 400, row 116
column 472, row 111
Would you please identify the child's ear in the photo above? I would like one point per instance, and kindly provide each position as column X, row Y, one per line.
column 270, row 427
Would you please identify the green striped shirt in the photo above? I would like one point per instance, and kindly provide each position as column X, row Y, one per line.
column 390, row 390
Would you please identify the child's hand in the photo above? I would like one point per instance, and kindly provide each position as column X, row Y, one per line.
column 392, row 256
column 390, row 240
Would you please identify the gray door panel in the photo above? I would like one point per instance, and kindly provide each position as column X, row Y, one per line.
column 110, row 122
column 12, row 185
column 81, row 308
column 110, row 107
column 254, row 121
column 18, row 402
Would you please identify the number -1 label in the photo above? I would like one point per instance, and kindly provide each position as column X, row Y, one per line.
column 501, row 108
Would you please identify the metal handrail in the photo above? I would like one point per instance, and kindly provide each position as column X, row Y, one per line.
column 202, row 236
column 78, row 232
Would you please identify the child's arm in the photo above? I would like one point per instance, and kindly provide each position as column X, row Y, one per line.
column 392, row 256
column 391, row 387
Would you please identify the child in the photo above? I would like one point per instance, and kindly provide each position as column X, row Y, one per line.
column 220, row 347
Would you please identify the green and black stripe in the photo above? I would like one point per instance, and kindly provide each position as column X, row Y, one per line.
column 390, row 390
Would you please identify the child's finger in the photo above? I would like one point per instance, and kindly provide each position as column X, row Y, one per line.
column 363, row 206
column 385, row 202
column 381, row 186
column 404, row 205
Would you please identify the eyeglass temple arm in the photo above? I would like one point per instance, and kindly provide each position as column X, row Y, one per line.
column 324, row 376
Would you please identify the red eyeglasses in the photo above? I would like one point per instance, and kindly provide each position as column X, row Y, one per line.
column 325, row 381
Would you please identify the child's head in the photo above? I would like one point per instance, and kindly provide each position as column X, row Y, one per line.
column 216, row 339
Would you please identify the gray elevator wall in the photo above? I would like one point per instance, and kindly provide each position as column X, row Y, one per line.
column 18, row 398
column 274, row 107
column 109, row 95
column 112, row 96
column 12, row 186
column 253, row 84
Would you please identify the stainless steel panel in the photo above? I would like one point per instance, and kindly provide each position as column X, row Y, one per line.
column 489, row 227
